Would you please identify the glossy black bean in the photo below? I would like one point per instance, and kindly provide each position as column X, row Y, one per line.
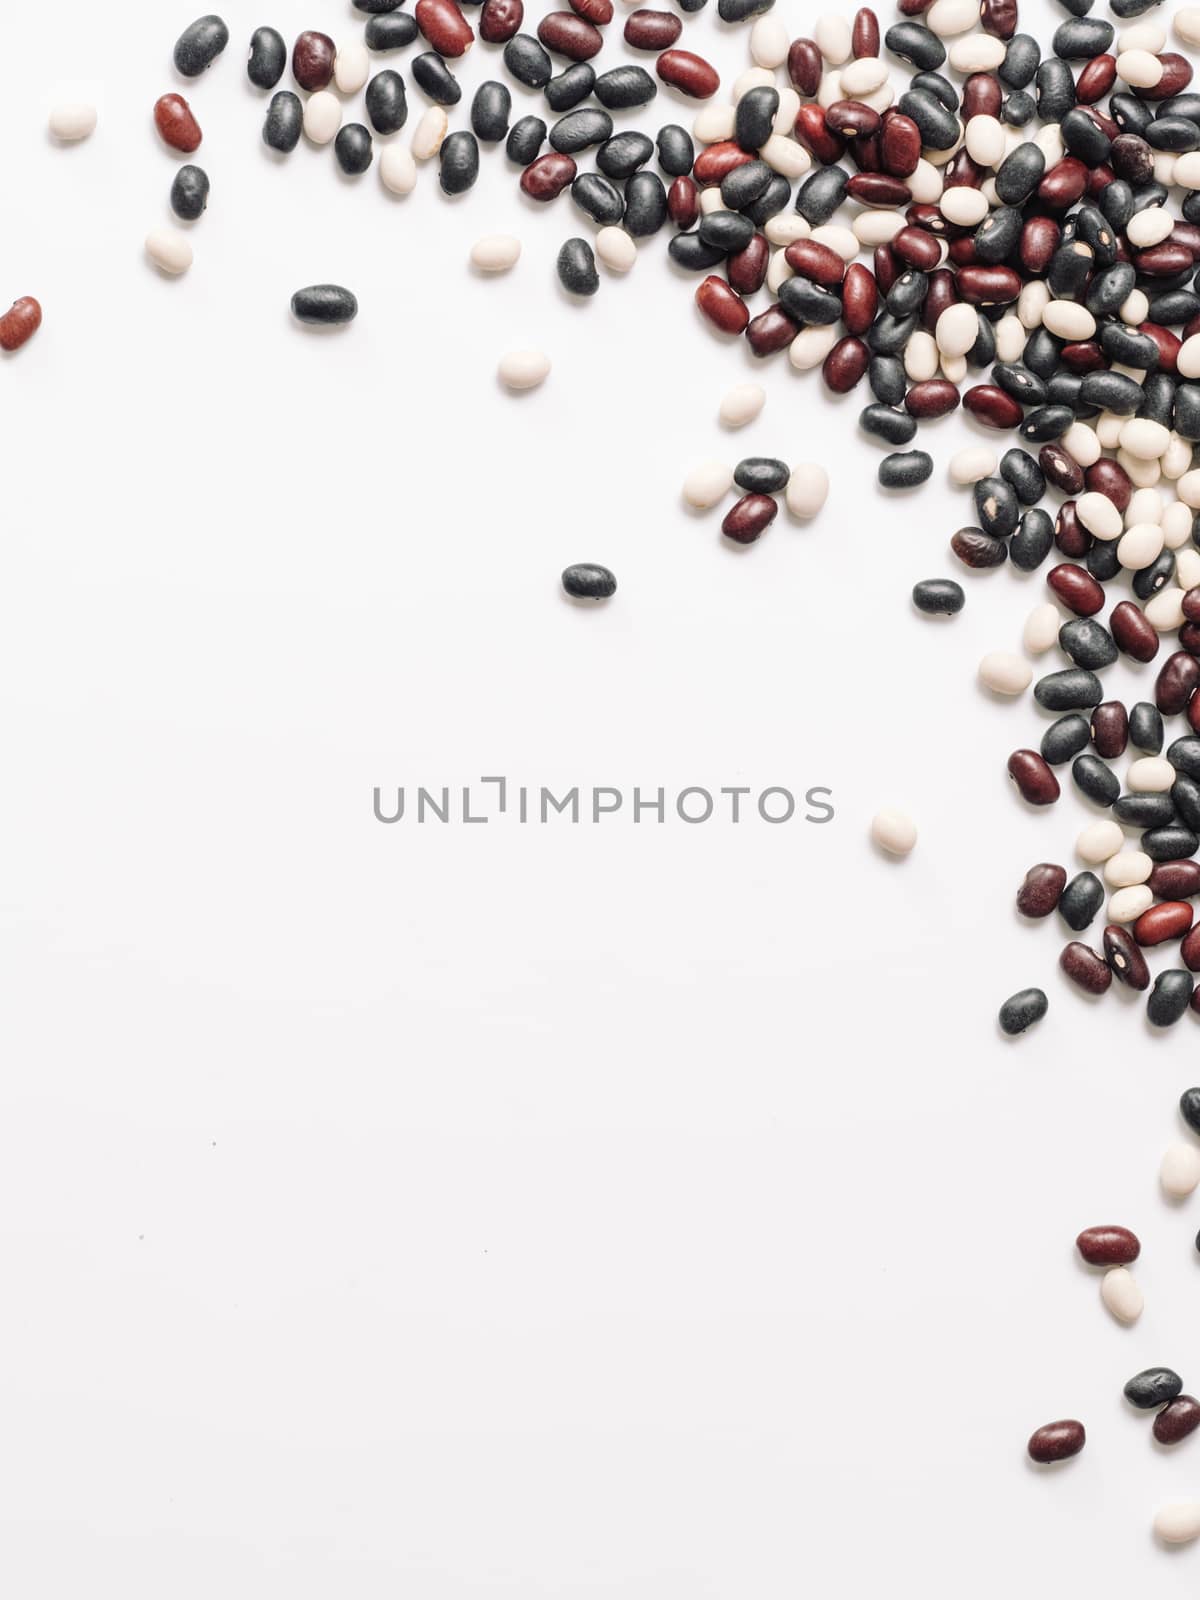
column 1073, row 689
column 354, row 149
column 727, row 230
column 324, row 304
column 434, row 78
column 884, row 422
column 1021, row 469
column 387, row 102
column 1095, row 779
column 569, row 88
column 1094, row 229
column 887, row 334
column 1080, row 901
column 1018, row 109
column 1022, row 55
column 1191, row 206
column 1046, row 423
column 938, row 124
column 690, row 252
column 809, row 303
column 1112, row 391
column 1040, row 354
column 1116, row 202
column 1084, row 138
column 624, row 87
column 1186, row 105
column 199, row 45
column 189, row 193
column 938, row 597
column 821, row 193
column 762, row 474
column 1153, row 1388
column 1184, row 755
column 527, row 62
column 1145, row 810
column 1156, row 576
column 268, row 58
column 1175, row 134
column 376, row 7
column 676, row 151
column 581, row 129
column 1022, row 1010
column 458, row 162
column 983, row 352
column 996, row 506
column 1169, row 998
column 745, row 184
column 1129, row 113
column 1102, row 561
column 998, row 235
column 604, row 203
column 577, row 268
column 1026, row 388
column 1065, row 739
column 525, row 139
column 1070, row 270
column 1189, row 1109
column 917, row 45
column 1146, row 728
column 1088, row 643
column 622, row 155
column 905, row 470
column 776, row 197
column 886, row 376
column 1055, row 90
column 645, row 204
column 1082, row 38
column 395, row 31
column 1171, row 843
column 1130, row 348
column 939, row 87
column 1174, row 306
column 1158, row 398
column 1185, row 796
column 490, row 109
column 586, row 581
column 754, row 119
column 284, row 122
column 1186, row 419
column 741, row 10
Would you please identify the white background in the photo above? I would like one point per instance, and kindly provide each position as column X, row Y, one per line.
column 649, row 1211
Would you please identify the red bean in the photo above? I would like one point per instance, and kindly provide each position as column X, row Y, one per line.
column 500, row 19
column 1175, row 880
column 1084, row 357
column 1137, row 637
column 941, row 294
column 1096, row 79
column 1163, row 260
column 443, row 24
column 313, row 56
column 1061, row 468
column 1109, row 1246
column 1077, row 589
column 1181, row 1416
column 566, row 34
column 1065, row 183
column 1187, row 233
column 771, row 330
column 899, row 144
column 19, row 323
column 1191, row 605
column 1110, row 729
column 747, row 268
column 1039, row 241
column 688, row 73
column 548, row 176
column 683, row 202
column 175, row 123
column 1127, row 962
column 1176, row 682
column 917, row 249
column 860, row 299
column 716, row 161
column 1189, row 950
column 651, row 30
column 1177, row 74
column 851, row 119
column 999, row 18
column 1041, row 889
column 748, row 517
column 878, row 189
column 845, row 365
column 598, row 11
column 1085, row 968
column 723, row 308
column 1170, row 919
column 992, row 407
column 989, row 286
column 981, row 96
column 935, row 397
column 1057, row 1441
column 1110, row 478
column 816, row 261
column 864, row 34
column 886, row 268
column 1034, row 778
column 1189, row 638
column 814, row 132
column 805, row 65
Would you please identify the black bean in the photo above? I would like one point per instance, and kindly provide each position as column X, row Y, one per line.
column 1169, row 998
column 887, row 379
column 1096, row 779
column 1018, row 109
column 387, row 102
column 894, row 427
column 743, row 186
column 577, row 268
column 1063, row 391
column 689, row 251
column 1082, row 38
column 998, row 235
column 199, row 45
column 1022, row 471
column 1070, row 690
column 808, row 302
column 917, row 45
column 1046, row 423
column 1116, row 202
column 490, row 108
column 528, row 62
column 774, row 199
column 1184, row 755
column 1145, row 810
column 1088, row 643
column 1129, row 113
column 284, row 122
column 887, row 334
column 762, row 474
column 645, row 204
column 908, row 293
column 996, row 506
column 905, row 469
column 1112, row 391
column 622, row 155
column 1063, row 740
column 1102, row 561
column 1185, row 796
column 821, row 193
column 525, row 139
column 1146, row 728
column 604, row 203
column 458, row 162
column 1021, row 57
column 268, row 58
column 1130, row 348
column 1176, row 134
column 624, row 87
column 1055, row 90
column 1084, row 137
column 1189, row 1107
column 1022, row 1010
column 1173, row 306
column 376, row 7
column 676, row 151
column 1158, row 398
column 1019, row 174
column 754, row 120
column 740, row 10
column 727, row 230
column 938, row 125
column 586, row 581
column 391, row 32
column 1170, row 843
column 1040, row 354
column 1026, row 388
column 569, row 88
column 324, row 303
column 1080, row 901
column 1153, row 1388
column 938, row 597
column 579, row 129
column 1156, row 576
column 1186, row 420
column 1070, row 270
column 433, row 76
column 354, row 149
column 189, row 193
column 942, row 90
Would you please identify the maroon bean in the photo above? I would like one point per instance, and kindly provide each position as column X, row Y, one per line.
column 962, row 252
column 1057, row 1441
column 981, row 96
column 1177, row 74
column 979, row 550
column 1191, row 605
column 879, row 189
column 1085, row 968
column 175, row 123
column 501, row 19
column 313, row 55
column 864, row 151
column 1061, row 468
column 688, row 73
column 1134, row 635
column 651, row 30
column 1189, row 638
column 815, row 261
column 935, row 397
column 747, row 268
column 961, row 172
column 999, row 18
column 1063, row 184
column 567, row 35
column 1175, row 880
column 1110, row 729
column 1163, row 260
column 598, row 11
column 1132, row 158
column 860, row 299
column 990, row 286
column 1168, row 920
column 1071, row 538
column 851, row 119
column 814, row 132
column 1096, row 79
column 1168, row 344
column 1086, row 356
column 845, row 365
column 1188, row 233
column 548, row 176
column 917, row 249
column 1177, row 1419
column 1110, row 478
column 749, row 517
column 19, row 323
column 1127, row 962
column 1108, row 1246
column 1039, row 241
column 1189, row 950
column 770, row 331
column 683, row 202
column 899, row 144
column 941, row 294
column 443, row 24
column 716, row 161
column 1033, row 777
column 886, row 267
column 805, row 65
column 864, row 34
column 1176, row 682
column 913, row 8
column 1077, row 589
column 1041, row 889
column 992, row 407
column 723, row 308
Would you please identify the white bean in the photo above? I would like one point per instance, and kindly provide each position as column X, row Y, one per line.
column 1127, row 905
column 351, row 68
column 1178, row 1522
column 73, row 120
column 769, row 42
column 842, row 241
column 322, row 116
column 978, row 52
column 925, row 183
column 1145, row 505
column 495, row 252
column 1150, row 775
column 785, row 229
column 1099, row 515
column 1179, row 1173
column 397, row 169
column 1187, row 24
column 1005, row 673
column 810, row 347
column 893, row 831
column 169, row 249
column 1067, row 319
column 1139, row 68
column 428, row 133
column 962, row 205
column 742, row 404
column 1081, row 444
column 1144, row 35
column 616, row 248
column 807, row 490
column 1135, row 308
column 1098, row 841
column 523, row 369
column 707, row 484
column 832, row 38
column 752, row 78
column 973, row 462
column 1041, row 629
column 1187, row 568
column 957, row 329
column 1120, row 1293
column 714, row 123
column 985, row 139
column 921, row 356
column 1164, row 610
column 1139, row 546
column 948, row 17
column 1144, row 438
column 1188, row 359
column 1150, row 226
column 1128, row 867
column 873, row 228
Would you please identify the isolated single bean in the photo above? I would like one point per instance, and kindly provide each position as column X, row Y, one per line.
column 268, row 58
column 1021, row 1010
column 1056, row 1441
column 189, row 193
column 585, row 581
column 325, row 304
column 1108, row 1246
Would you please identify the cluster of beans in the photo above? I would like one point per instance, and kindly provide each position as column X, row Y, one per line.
column 761, row 479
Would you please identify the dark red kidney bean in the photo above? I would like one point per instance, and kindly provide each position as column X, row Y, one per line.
column 864, row 151
column 1175, row 880
column 1064, row 184
column 1176, row 683
column 1096, row 79
column 1189, row 950
column 1110, row 729
column 447, row 29
column 567, row 35
column 1077, row 589
column 981, row 96
column 1033, row 777
column 688, row 73
column 860, row 299
column 989, row 286
column 717, row 161
column 1191, row 605
column 651, row 30
column 851, row 119
column 934, row 397
column 501, row 19
column 1061, row 468
column 805, row 64
column 748, row 517
column 1110, row 478
column 917, row 249
column 978, row 550
column 19, row 323
column 1039, row 241
column 1109, row 1246
column 1057, row 1441
column 811, row 259
column 1127, row 962
column 885, row 267
column 313, row 56
column 1168, row 920
column 1071, row 538
column 1040, row 891
column 747, row 268
column 1177, row 1420
column 814, row 132
column 598, row 11
column 1188, row 233
column 1167, row 343
column 1177, row 74
column 899, row 144
column 683, row 202
column 846, row 364
column 940, row 296
column 1083, row 358
column 992, row 407
column 962, row 252
column 878, row 189
column 175, row 123
column 1162, row 260
column 999, row 18
column 770, row 331
column 548, row 176
column 961, row 172
column 723, row 308
column 1134, row 635
column 1085, row 968
column 864, row 34
column 913, row 8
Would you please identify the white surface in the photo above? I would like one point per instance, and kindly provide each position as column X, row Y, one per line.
column 486, row 1211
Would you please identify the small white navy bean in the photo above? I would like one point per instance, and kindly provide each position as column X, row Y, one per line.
column 169, row 249
column 894, row 832
column 523, row 369
column 72, row 121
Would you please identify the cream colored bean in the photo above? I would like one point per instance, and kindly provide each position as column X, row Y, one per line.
column 810, row 347
column 1142, row 473
column 1067, row 319
column 397, row 169
column 786, row 229
column 1150, row 775
column 1099, row 841
column 1176, row 459
column 789, row 109
column 710, row 201
column 829, row 90
column 707, row 484
column 1041, row 629
column 894, row 832
column 1178, row 1521
column 1179, row 1173
column 1164, row 610
column 1187, row 170
column 921, row 356
column 1005, row 673
column 1010, row 338
column 616, row 249
column 1049, row 141
column 1128, row 867
column 1177, row 526
column 351, row 68
column 807, row 490
column 832, row 38
column 1145, row 505
column 323, row 116
column 1188, row 489
column 1188, row 359
column 523, row 369
column 170, row 250
column 1081, row 444
column 1187, row 568
column 985, row 138
column 970, row 464
column 1135, row 308
column 72, row 121
column 714, row 123
column 957, row 329
column 954, row 368
column 1141, row 545
column 752, row 78
column 1108, row 429
column 1144, row 35
column 872, row 228
column 977, row 52
column 1121, row 1295
column 1139, row 69
column 1150, row 226
column 1187, row 25
column 742, row 404
column 778, row 271
column 948, row 17
column 841, row 241
column 863, row 77
column 881, row 99
column 495, row 252
column 1127, row 905
column 769, row 42
column 1099, row 515
column 1144, row 438
column 963, row 206
column 429, row 133
column 925, row 183
column 1032, row 302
